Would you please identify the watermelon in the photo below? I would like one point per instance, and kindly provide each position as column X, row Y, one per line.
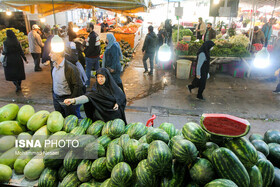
column 115, row 141
column 11, row 128
column 159, row 156
column 121, row 174
column 123, row 140
column 7, row 142
column 261, row 155
column 128, row 126
column 71, row 161
column 174, row 139
column 255, row 137
column 9, row 157
column 116, row 128
column 137, row 130
column 210, row 147
column 143, row 139
column 169, row 128
column 48, row 178
column 141, row 152
column 94, row 150
column 5, row 173
column 228, row 166
column 83, row 171
column 38, row 120
column 96, row 128
column 202, row 171
column 192, row 184
column 70, row 180
column 8, row 112
column 85, row 123
column 108, row 183
column 129, row 150
column 54, row 161
column 267, row 171
column 272, row 136
column 99, row 169
column 194, row 133
column 276, row 181
column 274, row 154
column 145, row 175
column 24, row 113
column 114, row 156
column 261, row 146
column 104, row 140
column 255, row 177
column 78, row 131
column 62, row 173
column 184, row 151
column 34, row 168
column 55, row 121
column 221, row 183
column 70, row 122
column 21, row 162
column 224, row 125
column 157, row 134
column 244, row 150
column 105, row 129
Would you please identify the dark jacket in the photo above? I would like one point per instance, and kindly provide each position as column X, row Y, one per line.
column 161, row 37
column 150, row 43
column 14, row 70
column 47, row 49
column 212, row 34
column 258, row 37
column 72, row 35
column 93, row 48
column 73, row 79
column 103, row 27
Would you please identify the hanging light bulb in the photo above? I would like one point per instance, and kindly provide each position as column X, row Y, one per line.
column 8, row 12
column 43, row 20
column 75, row 29
column 262, row 59
column 57, row 44
column 164, row 53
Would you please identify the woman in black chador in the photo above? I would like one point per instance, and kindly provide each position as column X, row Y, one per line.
column 202, row 68
column 105, row 102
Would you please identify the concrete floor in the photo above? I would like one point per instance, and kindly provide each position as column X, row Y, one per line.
column 164, row 95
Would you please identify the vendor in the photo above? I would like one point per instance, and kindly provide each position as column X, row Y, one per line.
column 258, row 37
column 104, row 26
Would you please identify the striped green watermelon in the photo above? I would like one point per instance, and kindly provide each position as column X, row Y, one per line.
column 194, row 133
column 169, row 128
column 83, row 170
column 274, row 154
column 255, row 137
column 54, row 161
column 143, row 139
column 261, row 146
column 267, row 170
column 70, row 122
column 48, row 178
column 116, row 128
column 70, row 180
column 145, row 175
column 99, row 169
column 137, row 130
column 105, row 129
column 179, row 132
column 78, row 131
column 129, row 150
column 244, row 150
column 157, row 134
column 108, row 183
column 94, row 150
column 85, row 123
column 123, row 140
column 210, row 147
column 276, row 181
column 174, row 139
column 115, row 141
column 114, row 156
column 70, row 162
column 221, row 183
column 202, row 171
column 192, row 184
column 272, row 136
column 255, row 177
column 159, row 156
column 62, row 173
column 261, row 155
column 141, row 152
column 121, row 174
column 128, row 126
column 184, row 151
column 96, row 128
column 104, row 140
column 228, row 166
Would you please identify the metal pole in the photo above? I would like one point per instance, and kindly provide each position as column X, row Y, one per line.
column 274, row 8
column 54, row 13
column 178, row 33
column 251, row 33
column 167, row 8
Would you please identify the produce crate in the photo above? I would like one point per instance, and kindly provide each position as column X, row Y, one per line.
column 131, row 38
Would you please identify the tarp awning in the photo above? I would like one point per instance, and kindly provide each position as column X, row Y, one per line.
column 45, row 7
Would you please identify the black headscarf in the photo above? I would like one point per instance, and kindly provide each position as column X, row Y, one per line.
column 206, row 46
column 103, row 98
column 11, row 37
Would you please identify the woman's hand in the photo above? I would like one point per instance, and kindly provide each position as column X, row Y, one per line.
column 111, row 70
column 116, row 107
column 198, row 76
column 69, row 101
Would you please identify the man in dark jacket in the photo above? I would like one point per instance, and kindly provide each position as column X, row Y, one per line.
column 66, row 83
column 92, row 51
column 210, row 33
column 46, row 59
column 104, row 26
column 149, row 49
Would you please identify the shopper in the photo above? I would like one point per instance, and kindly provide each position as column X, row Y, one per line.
column 267, row 30
column 202, row 68
column 258, row 36
column 66, row 83
column 46, row 59
column 200, row 28
column 92, row 51
column 13, row 67
column 161, row 39
column 149, row 49
column 70, row 32
column 35, row 46
column 80, row 48
column 104, row 26
column 210, row 33
column 168, row 30
column 105, row 102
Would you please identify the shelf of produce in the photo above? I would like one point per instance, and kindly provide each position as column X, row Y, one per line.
column 20, row 180
column 132, row 38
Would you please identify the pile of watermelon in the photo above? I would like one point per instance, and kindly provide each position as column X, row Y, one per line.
column 134, row 155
